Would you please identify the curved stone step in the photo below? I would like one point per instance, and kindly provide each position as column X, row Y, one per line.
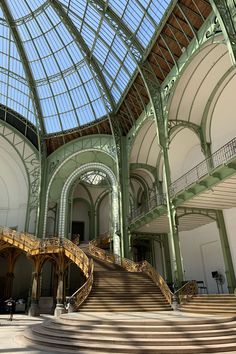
column 96, row 334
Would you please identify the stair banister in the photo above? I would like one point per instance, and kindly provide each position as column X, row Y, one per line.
column 186, row 292
column 80, row 295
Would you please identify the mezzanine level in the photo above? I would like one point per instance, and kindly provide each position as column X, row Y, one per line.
column 209, row 186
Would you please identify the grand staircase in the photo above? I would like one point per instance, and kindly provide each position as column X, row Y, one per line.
column 116, row 290
column 211, row 304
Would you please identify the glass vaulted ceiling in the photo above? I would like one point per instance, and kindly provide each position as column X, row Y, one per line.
column 64, row 62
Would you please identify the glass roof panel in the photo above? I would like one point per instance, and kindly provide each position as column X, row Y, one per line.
column 15, row 92
column 75, row 56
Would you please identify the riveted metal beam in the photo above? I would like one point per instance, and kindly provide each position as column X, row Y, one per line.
column 89, row 58
column 25, row 63
column 224, row 11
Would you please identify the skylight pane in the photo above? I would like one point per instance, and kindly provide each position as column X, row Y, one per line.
column 65, row 69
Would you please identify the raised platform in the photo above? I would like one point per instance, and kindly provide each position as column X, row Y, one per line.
column 135, row 333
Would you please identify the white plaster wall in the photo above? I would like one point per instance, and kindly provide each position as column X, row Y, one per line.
column 184, row 153
column 81, row 192
column 202, row 254
column 13, row 187
column 104, row 215
column 223, row 127
column 230, row 224
column 80, row 212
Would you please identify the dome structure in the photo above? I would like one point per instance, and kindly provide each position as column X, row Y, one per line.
column 66, row 64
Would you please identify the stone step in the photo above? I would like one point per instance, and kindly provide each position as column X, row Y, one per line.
column 209, row 305
column 134, row 345
column 113, row 300
column 153, row 331
column 209, row 311
column 179, row 339
column 124, row 309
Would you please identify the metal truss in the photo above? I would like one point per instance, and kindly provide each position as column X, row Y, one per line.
column 123, row 31
column 225, row 12
column 25, row 63
column 210, row 213
column 89, row 58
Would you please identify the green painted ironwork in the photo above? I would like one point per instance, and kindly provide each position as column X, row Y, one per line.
column 229, row 268
column 225, row 12
column 220, row 170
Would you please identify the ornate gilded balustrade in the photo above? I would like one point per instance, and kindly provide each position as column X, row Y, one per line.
column 102, row 241
column 34, row 246
column 82, row 293
column 157, row 279
column 187, row 291
column 131, row 266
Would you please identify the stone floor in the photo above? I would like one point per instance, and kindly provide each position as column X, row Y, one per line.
column 11, row 333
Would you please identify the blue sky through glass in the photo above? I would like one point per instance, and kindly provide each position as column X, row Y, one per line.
column 65, row 77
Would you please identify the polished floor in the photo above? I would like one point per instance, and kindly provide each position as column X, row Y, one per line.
column 11, row 333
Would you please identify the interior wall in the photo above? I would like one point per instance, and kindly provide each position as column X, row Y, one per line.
column 13, row 188
column 22, row 284
column 80, row 212
column 223, row 127
column 230, row 224
column 202, row 254
column 183, row 157
column 104, row 215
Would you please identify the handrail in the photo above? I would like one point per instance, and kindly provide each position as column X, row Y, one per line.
column 34, row 246
column 132, row 266
column 148, row 269
column 102, row 240
column 155, row 201
column 219, row 157
column 80, row 295
column 187, row 291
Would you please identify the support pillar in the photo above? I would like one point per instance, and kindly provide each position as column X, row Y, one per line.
column 161, row 117
column 34, row 305
column 167, row 259
column 177, row 266
column 229, row 268
column 124, row 182
column 13, row 254
column 60, row 285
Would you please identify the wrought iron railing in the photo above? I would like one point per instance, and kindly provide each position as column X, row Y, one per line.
column 153, row 202
column 221, row 156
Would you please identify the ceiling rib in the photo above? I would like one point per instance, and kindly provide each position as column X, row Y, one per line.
column 120, row 27
column 89, row 58
column 25, row 63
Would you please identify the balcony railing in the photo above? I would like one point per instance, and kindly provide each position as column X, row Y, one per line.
column 221, row 156
column 155, row 201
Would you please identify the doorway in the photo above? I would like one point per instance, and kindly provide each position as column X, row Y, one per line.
column 77, row 228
